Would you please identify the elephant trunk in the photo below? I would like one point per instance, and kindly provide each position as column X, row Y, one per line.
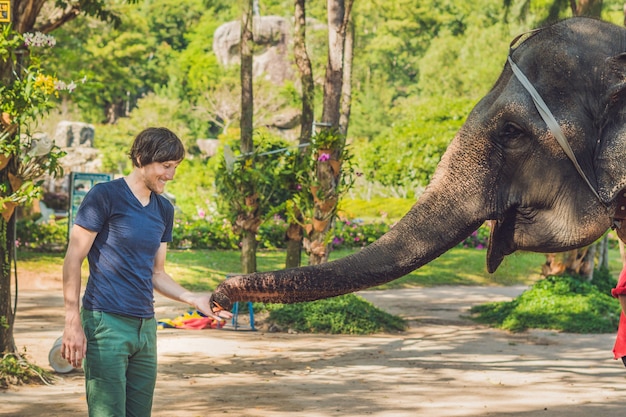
column 451, row 208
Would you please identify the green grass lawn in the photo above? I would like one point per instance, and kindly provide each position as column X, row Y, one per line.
column 202, row 270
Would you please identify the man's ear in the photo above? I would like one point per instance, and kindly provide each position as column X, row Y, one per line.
column 611, row 168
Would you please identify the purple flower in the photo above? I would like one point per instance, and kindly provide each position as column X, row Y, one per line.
column 324, row 157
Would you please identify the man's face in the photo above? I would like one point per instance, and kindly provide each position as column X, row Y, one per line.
column 156, row 174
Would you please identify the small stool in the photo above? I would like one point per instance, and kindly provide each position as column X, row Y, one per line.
column 236, row 311
column 236, row 315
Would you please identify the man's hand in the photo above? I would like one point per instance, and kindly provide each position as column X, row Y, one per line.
column 74, row 347
column 203, row 304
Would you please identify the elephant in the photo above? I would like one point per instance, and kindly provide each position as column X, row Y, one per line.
column 506, row 166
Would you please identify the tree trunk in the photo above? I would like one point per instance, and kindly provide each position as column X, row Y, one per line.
column 576, row 262
column 7, row 257
column 248, row 252
column 294, row 230
column 23, row 16
column 294, row 245
column 587, row 8
column 333, row 81
column 250, row 226
column 247, row 103
column 346, row 89
column 324, row 211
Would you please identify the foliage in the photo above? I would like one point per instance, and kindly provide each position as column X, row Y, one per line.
column 121, row 64
column 327, row 139
column 313, row 198
column 170, row 22
column 45, row 236
column 16, row 370
column 355, row 234
column 346, row 314
column 152, row 110
column 603, row 280
column 272, row 233
column 479, row 239
column 562, row 303
column 210, row 232
column 193, row 188
column 28, row 95
column 406, row 155
column 410, row 48
column 251, row 185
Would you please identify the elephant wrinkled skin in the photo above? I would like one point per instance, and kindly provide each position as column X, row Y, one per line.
column 503, row 166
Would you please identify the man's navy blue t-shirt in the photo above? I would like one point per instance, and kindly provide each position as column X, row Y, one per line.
column 121, row 259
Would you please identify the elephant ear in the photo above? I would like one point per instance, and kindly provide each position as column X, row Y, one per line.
column 611, row 157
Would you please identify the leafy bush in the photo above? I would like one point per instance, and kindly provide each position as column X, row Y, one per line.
column 271, row 234
column 46, row 236
column 203, row 233
column 355, row 234
column 559, row 303
column 346, row 314
column 479, row 239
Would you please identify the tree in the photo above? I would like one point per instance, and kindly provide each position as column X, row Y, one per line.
column 250, row 220
column 303, row 62
column 121, row 63
column 404, row 157
column 339, row 17
column 21, row 104
column 557, row 7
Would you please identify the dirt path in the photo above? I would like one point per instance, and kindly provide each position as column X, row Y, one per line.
column 443, row 366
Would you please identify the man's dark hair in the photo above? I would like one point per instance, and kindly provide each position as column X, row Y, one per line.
column 156, row 144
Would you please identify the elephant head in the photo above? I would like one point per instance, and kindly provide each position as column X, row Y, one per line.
column 504, row 166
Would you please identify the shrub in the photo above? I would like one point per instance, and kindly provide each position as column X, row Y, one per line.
column 479, row 239
column 271, row 234
column 45, row 236
column 356, row 234
column 559, row 303
column 203, row 233
column 346, row 314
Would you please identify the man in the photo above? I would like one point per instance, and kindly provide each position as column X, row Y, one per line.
column 123, row 227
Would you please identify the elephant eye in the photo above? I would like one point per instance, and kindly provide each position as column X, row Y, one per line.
column 511, row 131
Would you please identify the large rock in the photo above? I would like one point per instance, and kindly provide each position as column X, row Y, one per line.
column 77, row 140
column 208, row 147
column 71, row 134
column 271, row 38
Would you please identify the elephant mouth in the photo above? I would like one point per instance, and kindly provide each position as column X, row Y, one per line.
column 502, row 240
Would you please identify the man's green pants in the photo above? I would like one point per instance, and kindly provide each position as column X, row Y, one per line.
column 120, row 365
